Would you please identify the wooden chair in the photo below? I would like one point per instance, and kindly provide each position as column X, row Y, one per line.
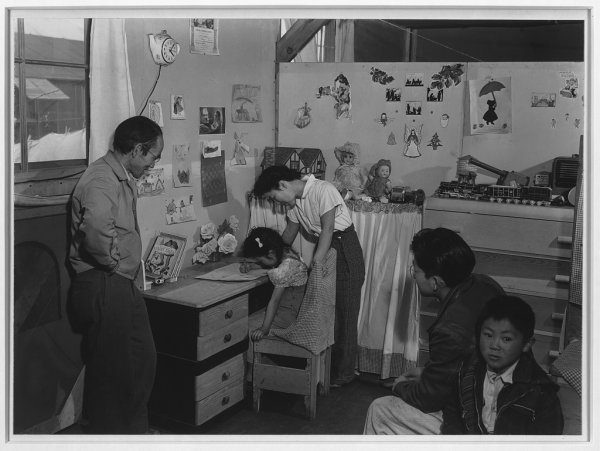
column 309, row 338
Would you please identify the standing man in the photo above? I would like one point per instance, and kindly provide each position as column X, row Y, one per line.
column 105, row 305
column 317, row 206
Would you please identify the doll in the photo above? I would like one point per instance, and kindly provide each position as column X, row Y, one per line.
column 379, row 185
column 348, row 179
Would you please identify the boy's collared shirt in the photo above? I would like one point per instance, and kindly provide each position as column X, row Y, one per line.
column 492, row 384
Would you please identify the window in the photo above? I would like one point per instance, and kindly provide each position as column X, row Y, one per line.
column 51, row 93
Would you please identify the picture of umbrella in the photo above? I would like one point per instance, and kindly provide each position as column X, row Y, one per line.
column 490, row 88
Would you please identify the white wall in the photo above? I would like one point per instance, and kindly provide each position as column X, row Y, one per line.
column 247, row 55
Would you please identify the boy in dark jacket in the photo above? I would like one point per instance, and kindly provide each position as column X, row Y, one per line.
column 501, row 389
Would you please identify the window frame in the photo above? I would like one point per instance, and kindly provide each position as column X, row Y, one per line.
column 54, row 169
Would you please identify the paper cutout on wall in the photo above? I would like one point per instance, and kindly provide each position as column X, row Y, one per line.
column 180, row 209
column 155, row 112
column 412, row 141
column 214, row 187
column 543, row 99
column 245, row 104
column 413, row 108
column 576, row 123
column 391, row 139
column 210, row 149
column 444, row 120
column 204, row 36
column 435, row 95
column 379, row 76
column 553, row 122
column 435, row 142
column 393, row 94
column 490, row 106
column 448, row 76
column 212, row 120
column 384, row 119
column 182, row 165
column 238, row 150
column 570, row 85
column 177, row 107
column 151, row 183
column 302, row 116
column 414, row 79
column 340, row 91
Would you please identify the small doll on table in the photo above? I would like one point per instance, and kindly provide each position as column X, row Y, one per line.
column 348, row 178
column 379, row 186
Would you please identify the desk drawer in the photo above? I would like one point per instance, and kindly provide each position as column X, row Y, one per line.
column 219, row 401
column 505, row 233
column 221, row 339
column 219, row 377
column 222, row 315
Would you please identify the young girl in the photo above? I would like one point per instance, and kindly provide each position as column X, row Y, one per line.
column 288, row 273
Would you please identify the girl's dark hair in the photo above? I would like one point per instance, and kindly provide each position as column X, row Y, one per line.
column 512, row 308
column 136, row 130
column 261, row 240
column 269, row 179
column 441, row 252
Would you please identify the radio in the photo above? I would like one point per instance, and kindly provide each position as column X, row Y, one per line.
column 564, row 173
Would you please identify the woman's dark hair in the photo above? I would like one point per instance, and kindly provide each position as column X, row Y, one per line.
column 136, row 130
column 261, row 240
column 512, row 308
column 442, row 252
column 269, row 179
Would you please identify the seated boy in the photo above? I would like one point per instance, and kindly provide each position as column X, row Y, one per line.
column 501, row 389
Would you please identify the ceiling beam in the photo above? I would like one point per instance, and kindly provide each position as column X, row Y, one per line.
column 294, row 40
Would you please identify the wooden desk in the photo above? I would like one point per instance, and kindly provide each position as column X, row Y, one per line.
column 200, row 330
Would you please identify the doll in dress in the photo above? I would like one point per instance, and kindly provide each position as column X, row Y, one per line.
column 379, row 186
column 348, row 178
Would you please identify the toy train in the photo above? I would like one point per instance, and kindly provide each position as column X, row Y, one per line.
column 526, row 195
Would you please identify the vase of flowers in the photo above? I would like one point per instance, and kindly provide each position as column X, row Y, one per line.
column 216, row 241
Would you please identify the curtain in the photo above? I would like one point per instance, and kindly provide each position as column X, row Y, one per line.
column 111, row 97
column 344, row 41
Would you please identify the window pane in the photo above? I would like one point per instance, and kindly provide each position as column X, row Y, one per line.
column 16, row 122
column 55, row 98
column 55, row 40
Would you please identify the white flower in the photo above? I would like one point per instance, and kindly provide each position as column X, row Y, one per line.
column 234, row 223
column 207, row 231
column 227, row 243
column 209, row 247
column 199, row 257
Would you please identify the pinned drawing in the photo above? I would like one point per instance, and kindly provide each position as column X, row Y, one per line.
column 177, row 107
column 182, row 165
column 553, row 122
column 490, row 105
column 448, row 76
column 576, row 123
column 340, row 91
column 412, row 141
column 155, row 112
column 570, row 86
column 151, row 183
column 435, row 95
column 384, row 119
column 245, row 104
column 302, row 116
column 413, row 108
column 414, row 79
column 210, row 149
column 444, row 120
column 379, row 76
column 238, row 150
column 543, row 100
column 391, row 139
column 393, row 94
column 180, row 210
column 435, row 142
column 212, row 121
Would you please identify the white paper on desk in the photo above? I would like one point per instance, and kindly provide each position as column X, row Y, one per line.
column 231, row 273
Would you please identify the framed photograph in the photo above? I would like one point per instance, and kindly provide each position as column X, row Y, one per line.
column 177, row 107
column 164, row 258
column 212, row 120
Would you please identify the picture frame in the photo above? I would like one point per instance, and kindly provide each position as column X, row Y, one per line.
column 163, row 260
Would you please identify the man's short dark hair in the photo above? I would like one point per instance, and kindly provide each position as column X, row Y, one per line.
column 269, row 179
column 442, row 252
column 511, row 308
column 136, row 130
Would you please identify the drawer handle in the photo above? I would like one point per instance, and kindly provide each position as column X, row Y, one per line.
column 226, row 375
column 559, row 278
column 565, row 240
column 225, row 400
column 228, row 314
column 227, row 338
